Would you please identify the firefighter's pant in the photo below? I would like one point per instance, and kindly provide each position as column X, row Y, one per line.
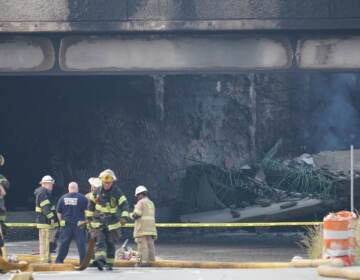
column 45, row 237
column 105, row 246
column 145, row 248
column 67, row 233
column 2, row 235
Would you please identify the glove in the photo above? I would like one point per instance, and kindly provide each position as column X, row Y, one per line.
column 134, row 216
column 123, row 221
column 82, row 223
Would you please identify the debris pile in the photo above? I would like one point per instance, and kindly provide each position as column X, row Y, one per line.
column 281, row 188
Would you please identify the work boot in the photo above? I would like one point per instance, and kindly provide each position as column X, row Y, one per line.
column 100, row 264
column 53, row 247
column 108, row 267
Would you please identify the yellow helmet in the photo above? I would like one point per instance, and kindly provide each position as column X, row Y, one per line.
column 107, row 176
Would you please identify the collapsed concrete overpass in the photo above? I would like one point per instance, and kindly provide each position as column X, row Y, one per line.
column 154, row 87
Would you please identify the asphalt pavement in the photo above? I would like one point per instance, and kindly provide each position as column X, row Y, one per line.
column 181, row 274
column 239, row 247
column 223, row 247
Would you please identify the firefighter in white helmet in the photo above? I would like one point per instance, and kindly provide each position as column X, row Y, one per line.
column 107, row 211
column 46, row 219
column 144, row 226
column 94, row 184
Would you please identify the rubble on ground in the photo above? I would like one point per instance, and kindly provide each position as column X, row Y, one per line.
column 272, row 187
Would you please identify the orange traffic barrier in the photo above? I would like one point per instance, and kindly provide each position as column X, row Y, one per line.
column 339, row 240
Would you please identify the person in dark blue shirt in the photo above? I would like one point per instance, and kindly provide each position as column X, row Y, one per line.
column 70, row 210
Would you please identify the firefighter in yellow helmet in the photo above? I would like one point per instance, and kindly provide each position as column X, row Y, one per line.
column 107, row 211
column 144, row 226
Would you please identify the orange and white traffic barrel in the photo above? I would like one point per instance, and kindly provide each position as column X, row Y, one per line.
column 339, row 236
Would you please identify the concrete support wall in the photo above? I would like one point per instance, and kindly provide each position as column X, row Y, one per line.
column 172, row 15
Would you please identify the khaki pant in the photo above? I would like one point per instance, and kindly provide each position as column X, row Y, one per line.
column 45, row 237
column 145, row 248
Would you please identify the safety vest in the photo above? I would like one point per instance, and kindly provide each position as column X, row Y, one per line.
column 145, row 223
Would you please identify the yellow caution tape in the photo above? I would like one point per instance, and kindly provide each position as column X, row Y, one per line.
column 21, row 224
column 198, row 225
column 237, row 224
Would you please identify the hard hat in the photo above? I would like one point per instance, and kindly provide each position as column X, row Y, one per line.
column 2, row 160
column 47, row 179
column 95, row 182
column 140, row 189
column 107, row 176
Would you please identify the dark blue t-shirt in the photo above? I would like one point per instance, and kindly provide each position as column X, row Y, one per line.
column 72, row 207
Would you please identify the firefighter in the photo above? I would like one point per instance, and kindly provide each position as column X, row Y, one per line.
column 70, row 211
column 107, row 211
column 94, row 184
column 46, row 220
column 4, row 186
column 144, row 226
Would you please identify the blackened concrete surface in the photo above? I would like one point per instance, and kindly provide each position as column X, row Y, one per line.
column 173, row 15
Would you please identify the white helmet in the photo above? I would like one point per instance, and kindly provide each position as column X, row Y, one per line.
column 107, row 176
column 95, row 182
column 47, row 179
column 140, row 189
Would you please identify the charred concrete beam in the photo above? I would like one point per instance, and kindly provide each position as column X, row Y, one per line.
column 24, row 53
column 345, row 9
column 178, row 53
column 62, row 10
column 176, row 15
column 241, row 9
column 173, row 53
column 329, row 53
